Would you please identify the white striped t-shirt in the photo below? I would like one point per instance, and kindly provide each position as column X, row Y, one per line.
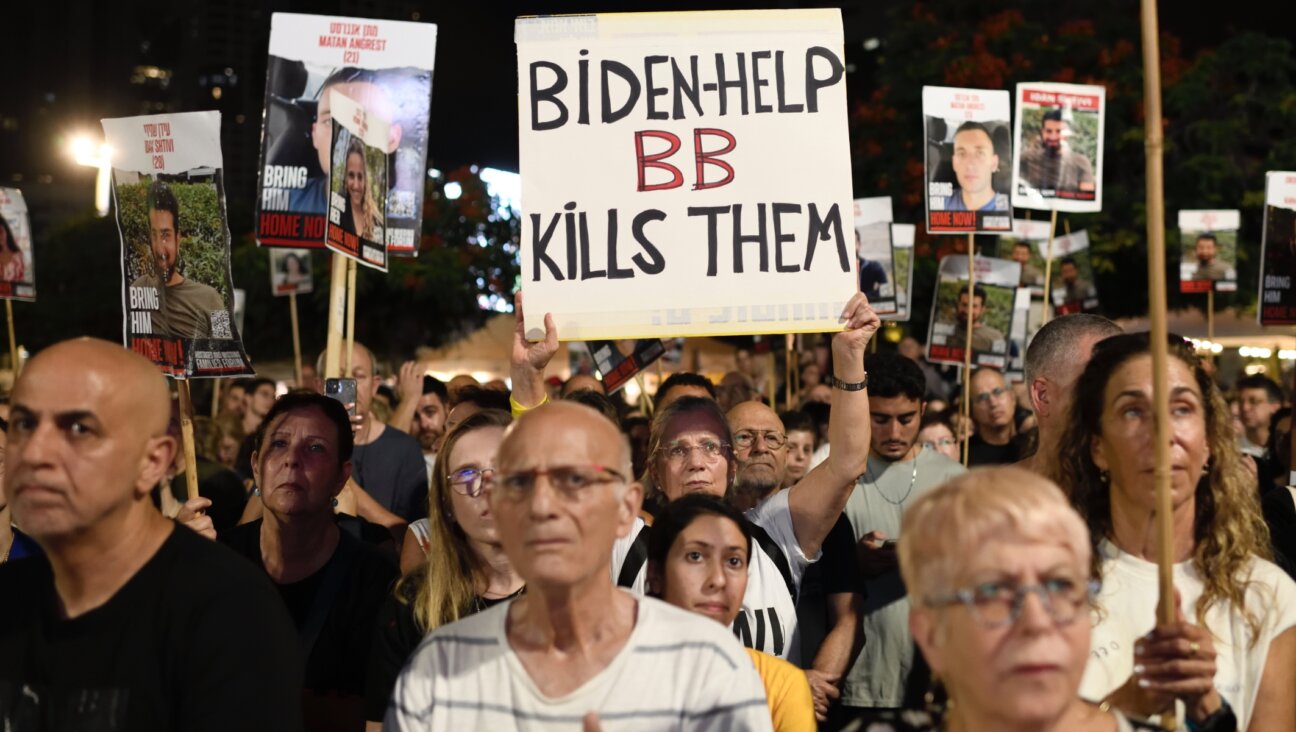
column 677, row 671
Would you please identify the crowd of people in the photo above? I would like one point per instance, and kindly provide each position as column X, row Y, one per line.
column 539, row 555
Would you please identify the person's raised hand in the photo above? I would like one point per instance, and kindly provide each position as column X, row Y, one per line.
column 193, row 515
column 859, row 324
column 534, row 355
column 410, row 381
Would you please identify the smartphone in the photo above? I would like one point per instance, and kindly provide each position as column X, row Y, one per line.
column 890, row 543
column 343, row 390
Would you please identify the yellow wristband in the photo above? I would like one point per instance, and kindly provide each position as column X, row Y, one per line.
column 518, row 410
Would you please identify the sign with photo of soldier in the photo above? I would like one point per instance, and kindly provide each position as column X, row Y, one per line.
column 873, row 249
column 902, row 245
column 968, row 148
column 661, row 195
column 1059, row 151
column 1278, row 251
column 1210, row 243
column 1072, row 289
column 177, row 291
column 1027, row 245
column 385, row 66
column 17, row 261
column 990, row 311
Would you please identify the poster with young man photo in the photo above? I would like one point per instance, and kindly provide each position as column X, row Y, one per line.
column 968, row 148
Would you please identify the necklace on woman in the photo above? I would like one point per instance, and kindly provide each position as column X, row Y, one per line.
column 912, row 479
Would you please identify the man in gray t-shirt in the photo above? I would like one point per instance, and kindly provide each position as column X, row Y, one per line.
column 899, row 471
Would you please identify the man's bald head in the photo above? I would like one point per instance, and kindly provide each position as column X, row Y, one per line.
column 130, row 381
column 587, row 429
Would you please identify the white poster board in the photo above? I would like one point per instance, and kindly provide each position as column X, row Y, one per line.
column 902, row 246
column 1058, row 158
column 874, row 251
column 1209, row 241
column 990, row 311
column 684, row 173
column 966, row 156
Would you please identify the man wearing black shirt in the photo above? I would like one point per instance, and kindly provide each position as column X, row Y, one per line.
column 130, row 623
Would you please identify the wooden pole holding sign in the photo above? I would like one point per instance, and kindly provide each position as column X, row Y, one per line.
column 13, row 342
column 1210, row 319
column 350, row 319
column 966, row 408
column 1048, row 267
column 1153, row 142
column 216, row 391
column 187, row 438
column 336, row 317
column 297, row 362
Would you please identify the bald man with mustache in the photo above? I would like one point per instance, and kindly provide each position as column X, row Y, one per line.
column 130, row 622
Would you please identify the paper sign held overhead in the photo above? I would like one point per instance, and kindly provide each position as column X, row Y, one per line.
column 684, row 173
column 967, row 153
column 1058, row 157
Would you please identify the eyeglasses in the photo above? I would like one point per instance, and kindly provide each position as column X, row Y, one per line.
column 998, row 604
column 569, row 481
column 679, row 452
column 942, row 442
column 471, row 482
column 746, row 439
column 985, row 396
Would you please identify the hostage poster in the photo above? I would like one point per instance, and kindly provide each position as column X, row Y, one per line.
column 1278, row 251
column 966, row 157
column 290, row 272
column 902, row 245
column 17, row 264
column 1072, row 288
column 989, row 312
column 357, row 183
column 876, row 256
column 684, row 173
column 385, row 66
column 1209, row 254
column 177, row 291
column 1058, row 157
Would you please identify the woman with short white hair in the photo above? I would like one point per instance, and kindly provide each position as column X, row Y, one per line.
column 997, row 565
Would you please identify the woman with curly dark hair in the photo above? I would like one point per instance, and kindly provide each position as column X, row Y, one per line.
column 1237, row 655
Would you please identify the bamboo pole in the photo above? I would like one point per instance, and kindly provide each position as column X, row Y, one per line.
column 770, row 388
column 1210, row 319
column 296, row 333
column 350, row 318
column 966, row 408
column 336, row 317
column 1048, row 267
column 1157, row 309
column 13, row 342
column 187, row 438
column 789, row 363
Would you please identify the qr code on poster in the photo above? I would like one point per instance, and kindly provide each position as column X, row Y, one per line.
column 220, row 324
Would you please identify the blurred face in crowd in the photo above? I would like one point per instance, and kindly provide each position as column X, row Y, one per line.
column 895, row 425
column 692, row 458
column 297, row 464
column 261, row 400
column 1255, row 409
column 800, row 448
column 938, row 437
column 430, row 418
column 706, row 569
column 974, row 161
column 1125, row 446
column 760, row 445
column 583, row 382
column 992, row 400
column 562, row 496
column 910, row 348
column 227, row 451
column 367, row 382
column 233, row 400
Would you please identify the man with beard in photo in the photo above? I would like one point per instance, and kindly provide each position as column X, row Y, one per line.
column 185, row 307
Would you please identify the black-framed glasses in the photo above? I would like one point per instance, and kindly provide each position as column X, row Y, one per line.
column 471, row 482
column 569, row 481
column 997, row 604
column 746, row 439
column 679, row 452
column 985, row 396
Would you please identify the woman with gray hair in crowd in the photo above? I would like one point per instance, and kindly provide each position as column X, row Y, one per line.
column 997, row 565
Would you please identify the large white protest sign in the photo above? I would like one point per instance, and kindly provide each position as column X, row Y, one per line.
column 177, row 287
column 1057, row 162
column 966, row 158
column 684, row 173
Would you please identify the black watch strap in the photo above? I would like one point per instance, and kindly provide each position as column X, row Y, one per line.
column 849, row 385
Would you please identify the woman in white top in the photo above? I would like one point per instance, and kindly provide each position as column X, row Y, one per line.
column 1233, row 649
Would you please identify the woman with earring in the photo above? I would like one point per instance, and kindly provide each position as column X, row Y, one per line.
column 1231, row 654
column 997, row 565
column 466, row 570
column 332, row 583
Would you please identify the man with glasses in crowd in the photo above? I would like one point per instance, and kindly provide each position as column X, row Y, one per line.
column 899, row 471
column 574, row 648
column 994, row 410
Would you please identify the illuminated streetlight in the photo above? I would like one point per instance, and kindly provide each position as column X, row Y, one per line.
column 85, row 151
